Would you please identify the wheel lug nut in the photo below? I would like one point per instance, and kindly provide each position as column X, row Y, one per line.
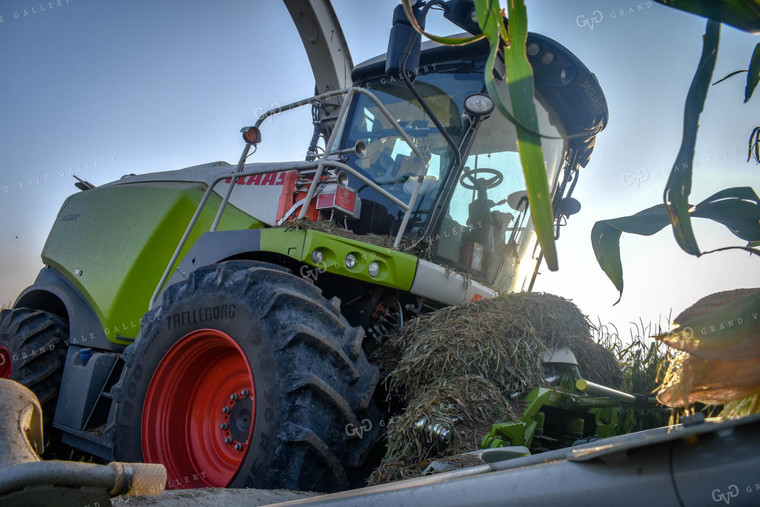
column 225, row 410
column 223, row 426
column 238, row 447
column 233, row 396
column 244, row 393
column 228, row 440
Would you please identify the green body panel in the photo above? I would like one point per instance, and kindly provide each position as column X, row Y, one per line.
column 397, row 269
column 283, row 241
column 119, row 240
column 117, row 268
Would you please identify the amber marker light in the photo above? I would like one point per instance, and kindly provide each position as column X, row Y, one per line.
column 251, row 135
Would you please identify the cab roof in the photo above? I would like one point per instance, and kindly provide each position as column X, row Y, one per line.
column 561, row 80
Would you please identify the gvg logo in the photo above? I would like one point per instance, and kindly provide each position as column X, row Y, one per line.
column 731, row 492
column 636, row 179
column 358, row 431
column 313, row 272
column 596, row 17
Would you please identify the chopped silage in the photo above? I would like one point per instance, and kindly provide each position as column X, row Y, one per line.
column 465, row 368
column 465, row 406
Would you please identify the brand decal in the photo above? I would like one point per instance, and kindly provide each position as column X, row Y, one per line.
column 260, row 179
column 220, row 312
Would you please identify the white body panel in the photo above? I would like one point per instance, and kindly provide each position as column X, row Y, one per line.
column 257, row 195
column 432, row 281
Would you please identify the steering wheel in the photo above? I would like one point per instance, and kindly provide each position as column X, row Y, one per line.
column 471, row 176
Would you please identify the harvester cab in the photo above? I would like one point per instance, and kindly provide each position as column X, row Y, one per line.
column 225, row 334
column 421, row 157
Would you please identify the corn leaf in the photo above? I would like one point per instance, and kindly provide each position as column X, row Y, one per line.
column 753, row 74
column 719, row 340
column 521, row 91
column 754, row 145
column 691, row 379
column 736, row 208
column 605, row 239
column 520, row 83
column 742, row 14
column 724, row 326
column 732, row 74
column 678, row 187
column 449, row 41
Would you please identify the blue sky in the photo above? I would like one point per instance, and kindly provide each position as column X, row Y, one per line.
column 109, row 88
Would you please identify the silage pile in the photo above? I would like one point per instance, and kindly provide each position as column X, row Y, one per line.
column 464, row 367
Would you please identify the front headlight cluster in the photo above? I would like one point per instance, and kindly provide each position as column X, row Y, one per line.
column 350, row 262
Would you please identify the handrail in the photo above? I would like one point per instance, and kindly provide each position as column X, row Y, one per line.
column 300, row 166
column 347, row 91
column 234, row 177
column 331, row 142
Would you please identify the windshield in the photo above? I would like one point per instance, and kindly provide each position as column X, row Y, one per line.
column 390, row 161
column 487, row 229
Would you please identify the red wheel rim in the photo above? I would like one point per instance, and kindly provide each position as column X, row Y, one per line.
column 199, row 411
column 5, row 362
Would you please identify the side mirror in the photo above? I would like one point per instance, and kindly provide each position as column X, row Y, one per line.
column 404, row 40
column 568, row 206
column 518, row 201
column 462, row 13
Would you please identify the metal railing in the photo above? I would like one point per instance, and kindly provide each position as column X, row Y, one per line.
column 319, row 167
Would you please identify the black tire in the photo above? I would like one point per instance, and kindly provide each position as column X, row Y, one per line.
column 312, row 379
column 34, row 341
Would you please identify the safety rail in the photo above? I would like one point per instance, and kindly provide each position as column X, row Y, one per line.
column 318, row 165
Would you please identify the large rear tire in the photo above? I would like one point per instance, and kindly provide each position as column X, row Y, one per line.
column 246, row 376
column 33, row 352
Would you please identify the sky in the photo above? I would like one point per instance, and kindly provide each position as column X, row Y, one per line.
column 105, row 88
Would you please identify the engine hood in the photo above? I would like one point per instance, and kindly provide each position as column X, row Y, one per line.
column 257, row 195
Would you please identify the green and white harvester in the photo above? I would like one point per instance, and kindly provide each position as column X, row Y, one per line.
column 217, row 319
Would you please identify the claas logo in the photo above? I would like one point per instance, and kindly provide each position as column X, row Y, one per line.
column 260, row 179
